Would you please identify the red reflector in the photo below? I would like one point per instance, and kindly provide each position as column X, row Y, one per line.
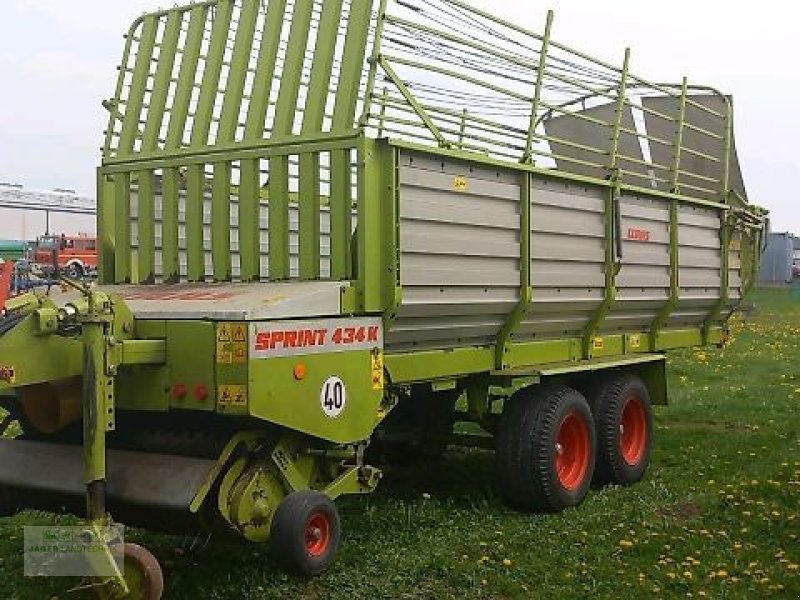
column 179, row 391
column 200, row 392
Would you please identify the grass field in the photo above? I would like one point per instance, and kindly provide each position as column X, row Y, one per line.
column 717, row 516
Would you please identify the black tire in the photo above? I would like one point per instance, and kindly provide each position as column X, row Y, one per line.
column 306, row 533
column 527, row 456
column 622, row 455
column 75, row 271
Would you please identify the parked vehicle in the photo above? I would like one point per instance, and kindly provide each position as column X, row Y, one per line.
column 76, row 256
column 291, row 294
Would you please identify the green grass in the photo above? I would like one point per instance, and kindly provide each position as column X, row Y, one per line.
column 718, row 514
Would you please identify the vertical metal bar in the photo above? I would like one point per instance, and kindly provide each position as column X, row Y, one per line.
column 613, row 236
column 676, row 164
column 237, row 74
column 370, row 251
column 503, row 348
column 674, row 275
column 113, row 109
column 186, row 77
column 286, row 108
column 462, row 130
column 221, row 221
column 195, row 207
column 249, row 221
column 265, row 70
column 309, row 216
column 146, row 228
column 141, row 72
column 309, row 173
column 537, row 94
column 170, row 195
column 209, row 88
column 362, row 19
column 122, row 226
column 619, row 113
column 726, row 171
column 341, row 201
column 105, row 227
column 341, row 204
column 382, row 114
column 279, row 265
column 158, row 99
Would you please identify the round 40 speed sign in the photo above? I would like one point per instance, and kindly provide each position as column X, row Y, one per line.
column 333, row 397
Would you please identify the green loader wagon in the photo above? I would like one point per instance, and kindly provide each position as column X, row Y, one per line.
column 331, row 229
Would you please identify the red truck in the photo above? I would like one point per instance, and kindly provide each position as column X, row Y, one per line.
column 75, row 255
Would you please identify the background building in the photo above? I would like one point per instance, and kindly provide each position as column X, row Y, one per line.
column 776, row 264
column 26, row 214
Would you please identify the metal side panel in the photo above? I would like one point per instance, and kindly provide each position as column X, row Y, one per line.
column 233, row 301
column 136, row 478
column 700, row 261
column 694, row 140
column 567, row 258
column 574, row 129
column 459, row 253
column 644, row 280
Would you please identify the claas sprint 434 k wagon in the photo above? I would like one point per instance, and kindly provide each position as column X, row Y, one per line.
column 329, row 230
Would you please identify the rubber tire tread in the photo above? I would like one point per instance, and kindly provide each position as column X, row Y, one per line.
column 606, row 403
column 287, row 535
column 525, row 460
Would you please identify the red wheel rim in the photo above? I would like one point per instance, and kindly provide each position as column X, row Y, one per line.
column 573, row 451
column 318, row 534
column 633, row 431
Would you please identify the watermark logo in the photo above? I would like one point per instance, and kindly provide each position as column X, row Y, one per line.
column 56, row 551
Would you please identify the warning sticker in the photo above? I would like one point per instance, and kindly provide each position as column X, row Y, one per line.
column 232, row 395
column 377, row 368
column 460, row 184
column 8, row 374
column 598, row 343
column 232, row 343
column 635, row 341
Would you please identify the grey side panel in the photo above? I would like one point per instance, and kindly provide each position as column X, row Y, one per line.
column 644, row 279
column 459, row 253
column 700, row 261
column 567, row 258
column 694, row 140
column 573, row 128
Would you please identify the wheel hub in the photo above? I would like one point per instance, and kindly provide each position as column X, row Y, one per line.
column 633, row 431
column 573, row 451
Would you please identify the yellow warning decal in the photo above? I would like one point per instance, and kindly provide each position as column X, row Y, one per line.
column 598, row 343
column 460, row 184
column 635, row 341
column 376, row 359
column 232, row 395
column 8, row 374
column 231, row 343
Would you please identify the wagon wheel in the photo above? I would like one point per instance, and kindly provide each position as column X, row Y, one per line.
column 142, row 574
column 545, row 449
column 305, row 533
column 624, row 418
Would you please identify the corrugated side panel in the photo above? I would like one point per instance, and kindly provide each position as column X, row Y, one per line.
column 459, row 253
column 567, row 258
column 735, row 280
column 325, row 229
column 700, row 253
column 644, row 279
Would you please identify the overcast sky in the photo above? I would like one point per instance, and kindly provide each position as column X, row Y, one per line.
column 58, row 59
